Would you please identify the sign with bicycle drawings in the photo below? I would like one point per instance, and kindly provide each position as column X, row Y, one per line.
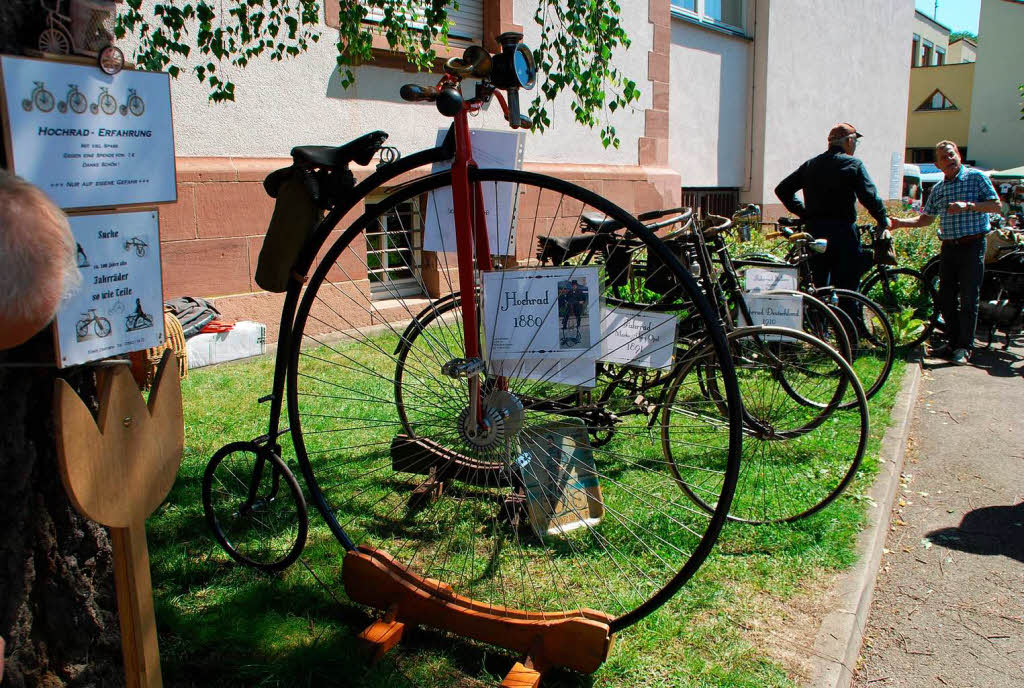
column 636, row 338
column 86, row 138
column 119, row 307
column 500, row 149
column 544, row 313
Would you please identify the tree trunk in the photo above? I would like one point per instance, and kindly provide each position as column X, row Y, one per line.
column 57, row 604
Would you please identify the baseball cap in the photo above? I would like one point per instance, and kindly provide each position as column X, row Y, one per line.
column 842, row 130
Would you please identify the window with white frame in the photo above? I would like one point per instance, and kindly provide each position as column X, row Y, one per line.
column 728, row 14
column 940, row 56
column 393, row 252
column 915, row 49
column 926, row 54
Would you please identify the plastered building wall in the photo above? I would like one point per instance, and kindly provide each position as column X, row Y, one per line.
column 710, row 115
column 996, row 137
column 301, row 101
column 816, row 64
column 211, row 237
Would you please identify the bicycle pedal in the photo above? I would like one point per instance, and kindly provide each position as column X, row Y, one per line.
column 463, row 367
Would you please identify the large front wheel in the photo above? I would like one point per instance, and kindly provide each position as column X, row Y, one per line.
column 506, row 497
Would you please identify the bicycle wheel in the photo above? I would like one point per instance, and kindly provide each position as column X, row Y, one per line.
column 102, row 327
column 871, row 339
column 108, row 104
column 44, row 100
column 78, row 103
column 254, row 506
column 526, row 514
column 904, row 294
column 784, row 475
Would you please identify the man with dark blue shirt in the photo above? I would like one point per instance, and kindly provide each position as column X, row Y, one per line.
column 832, row 183
column 963, row 199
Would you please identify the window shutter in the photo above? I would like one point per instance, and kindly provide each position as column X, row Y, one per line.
column 468, row 20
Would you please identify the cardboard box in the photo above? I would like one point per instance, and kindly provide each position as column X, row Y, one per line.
column 245, row 339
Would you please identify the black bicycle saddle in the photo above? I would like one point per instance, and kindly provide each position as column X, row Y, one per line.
column 361, row 150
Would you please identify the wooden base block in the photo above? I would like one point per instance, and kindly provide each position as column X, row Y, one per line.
column 576, row 639
column 521, row 677
column 381, row 636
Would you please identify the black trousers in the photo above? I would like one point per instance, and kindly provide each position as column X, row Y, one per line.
column 844, row 261
column 961, row 270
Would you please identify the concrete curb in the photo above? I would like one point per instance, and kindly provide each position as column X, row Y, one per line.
column 841, row 633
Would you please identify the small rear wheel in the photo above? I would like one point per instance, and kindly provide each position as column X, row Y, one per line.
column 254, row 506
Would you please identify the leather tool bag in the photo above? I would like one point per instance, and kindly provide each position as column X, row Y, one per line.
column 295, row 216
column 885, row 252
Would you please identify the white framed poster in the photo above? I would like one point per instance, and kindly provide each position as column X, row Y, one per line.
column 119, row 307
column 636, row 338
column 769, row 279
column 500, row 149
column 542, row 313
column 779, row 310
column 86, row 138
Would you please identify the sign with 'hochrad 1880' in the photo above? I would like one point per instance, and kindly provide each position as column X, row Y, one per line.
column 88, row 139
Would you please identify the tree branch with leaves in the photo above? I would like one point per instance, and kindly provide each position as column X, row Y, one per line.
column 579, row 39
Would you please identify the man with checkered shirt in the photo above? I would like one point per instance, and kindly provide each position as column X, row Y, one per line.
column 963, row 200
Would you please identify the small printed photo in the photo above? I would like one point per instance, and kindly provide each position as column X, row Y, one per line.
column 573, row 319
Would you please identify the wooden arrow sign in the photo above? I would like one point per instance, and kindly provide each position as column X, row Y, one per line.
column 117, row 472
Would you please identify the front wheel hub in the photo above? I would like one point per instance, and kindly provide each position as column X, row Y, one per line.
column 502, row 420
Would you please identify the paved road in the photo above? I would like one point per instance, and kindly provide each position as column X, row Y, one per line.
column 948, row 608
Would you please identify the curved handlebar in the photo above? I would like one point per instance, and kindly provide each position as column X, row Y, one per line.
column 475, row 62
column 448, row 99
column 723, row 224
column 415, row 92
column 791, row 236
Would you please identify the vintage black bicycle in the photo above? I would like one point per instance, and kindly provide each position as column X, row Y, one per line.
column 805, row 414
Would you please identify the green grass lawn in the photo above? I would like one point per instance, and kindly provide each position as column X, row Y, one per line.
column 225, row 625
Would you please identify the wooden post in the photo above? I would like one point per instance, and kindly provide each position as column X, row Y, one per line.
column 117, row 473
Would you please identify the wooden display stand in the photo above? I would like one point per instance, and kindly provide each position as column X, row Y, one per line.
column 117, row 474
column 579, row 640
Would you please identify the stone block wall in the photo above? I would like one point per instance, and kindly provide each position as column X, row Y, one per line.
column 211, row 237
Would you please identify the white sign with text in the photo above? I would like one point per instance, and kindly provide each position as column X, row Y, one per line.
column 88, row 139
column 499, row 149
column 119, row 307
column 635, row 338
column 543, row 313
column 779, row 310
column 770, row 279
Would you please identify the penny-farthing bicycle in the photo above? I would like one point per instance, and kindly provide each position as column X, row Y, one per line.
column 421, row 449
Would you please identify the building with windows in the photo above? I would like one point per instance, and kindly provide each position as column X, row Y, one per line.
column 962, row 50
column 930, row 43
column 996, row 136
column 736, row 94
column 941, row 81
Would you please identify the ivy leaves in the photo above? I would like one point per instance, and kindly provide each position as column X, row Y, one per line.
column 234, row 32
column 579, row 39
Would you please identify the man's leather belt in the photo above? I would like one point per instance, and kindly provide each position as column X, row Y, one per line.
column 970, row 238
